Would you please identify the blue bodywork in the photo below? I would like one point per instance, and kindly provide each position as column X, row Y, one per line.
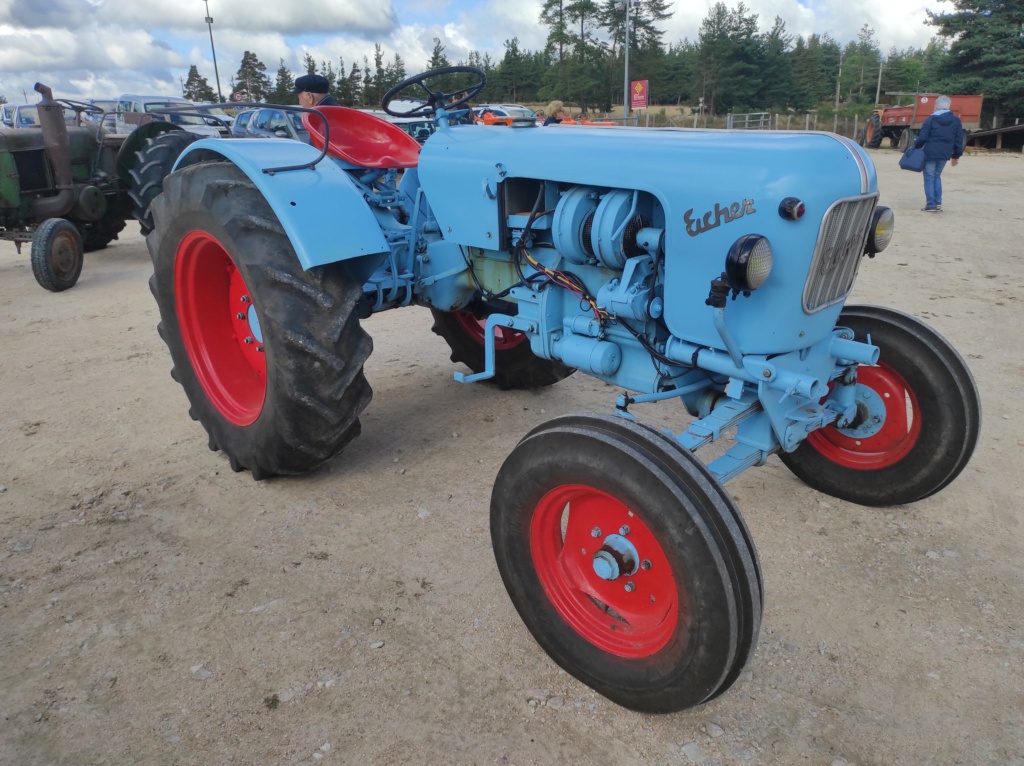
column 643, row 221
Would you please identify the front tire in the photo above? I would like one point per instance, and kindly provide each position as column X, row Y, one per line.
column 515, row 364
column 57, row 255
column 931, row 424
column 627, row 561
column 270, row 356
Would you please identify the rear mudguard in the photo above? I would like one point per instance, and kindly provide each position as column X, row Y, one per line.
column 322, row 211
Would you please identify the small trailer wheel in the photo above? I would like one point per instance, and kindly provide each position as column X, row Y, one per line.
column 57, row 254
column 623, row 557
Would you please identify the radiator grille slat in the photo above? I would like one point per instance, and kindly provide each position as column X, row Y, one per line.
column 841, row 240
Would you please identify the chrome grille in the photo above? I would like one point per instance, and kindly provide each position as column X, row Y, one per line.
column 844, row 232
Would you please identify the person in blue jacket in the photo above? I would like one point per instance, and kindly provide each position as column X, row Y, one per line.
column 942, row 136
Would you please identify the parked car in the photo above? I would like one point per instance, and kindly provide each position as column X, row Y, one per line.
column 134, row 110
column 216, row 117
column 27, row 116
column 504, row 114
column 420, row 128
column 108, row 105
column 269, row 122
column 7, row 115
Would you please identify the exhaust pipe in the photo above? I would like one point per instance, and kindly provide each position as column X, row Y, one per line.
column 58, row 151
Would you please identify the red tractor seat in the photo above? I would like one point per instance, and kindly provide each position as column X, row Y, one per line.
column 362, row 139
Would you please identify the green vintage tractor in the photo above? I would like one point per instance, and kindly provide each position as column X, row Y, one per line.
column 70, row 188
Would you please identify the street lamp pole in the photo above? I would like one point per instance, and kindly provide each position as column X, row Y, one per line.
column 625, row 85
column 209, row 23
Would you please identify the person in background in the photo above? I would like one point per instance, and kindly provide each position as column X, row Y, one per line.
column 555, row 112
column 314, row 90
column 942, row 136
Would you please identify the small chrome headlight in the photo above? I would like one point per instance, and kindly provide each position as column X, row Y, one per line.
column 882, row 224
column 749, row 262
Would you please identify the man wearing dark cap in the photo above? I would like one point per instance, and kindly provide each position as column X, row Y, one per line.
column 313, row 90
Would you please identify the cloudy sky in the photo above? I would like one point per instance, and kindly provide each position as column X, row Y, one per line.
column 102, row 48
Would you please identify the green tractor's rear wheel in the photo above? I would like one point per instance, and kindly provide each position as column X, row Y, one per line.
column 515, row 364
column 57, row 254
column 97, row 235
column 270, row 355
column 153, row 162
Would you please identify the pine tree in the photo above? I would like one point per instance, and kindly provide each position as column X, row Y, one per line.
column 283, row 84
column 252, row 77
column 197, row 88
column 987, row 52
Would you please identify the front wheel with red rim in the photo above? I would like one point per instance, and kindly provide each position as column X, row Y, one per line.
column 270, row 354
column 920, row 416
column 623, row 557
column 515, row 364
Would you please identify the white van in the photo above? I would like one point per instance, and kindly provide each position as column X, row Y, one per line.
column 134, row 110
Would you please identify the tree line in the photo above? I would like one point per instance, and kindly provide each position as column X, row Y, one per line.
column 730, row 67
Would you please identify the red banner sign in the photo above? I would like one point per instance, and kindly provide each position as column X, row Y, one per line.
column 638, row 94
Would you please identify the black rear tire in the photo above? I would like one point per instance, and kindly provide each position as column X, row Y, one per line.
column 930, row 393
column 153, row 163
column 515, row 364
column 96, row 236
column 57, row 254
column 674, row 632
column 873, row 138
column 285, row 394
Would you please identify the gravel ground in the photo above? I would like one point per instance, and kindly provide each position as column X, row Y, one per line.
column 156, row 608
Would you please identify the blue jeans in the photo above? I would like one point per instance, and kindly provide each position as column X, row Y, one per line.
column 933, row 182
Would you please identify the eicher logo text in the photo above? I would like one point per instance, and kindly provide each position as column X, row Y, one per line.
column 715, row 218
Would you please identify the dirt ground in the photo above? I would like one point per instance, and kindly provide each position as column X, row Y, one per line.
column 156, row 608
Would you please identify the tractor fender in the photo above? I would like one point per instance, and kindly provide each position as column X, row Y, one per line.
column 322, row 211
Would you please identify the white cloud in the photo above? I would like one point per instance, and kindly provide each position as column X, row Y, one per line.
column 100, row 48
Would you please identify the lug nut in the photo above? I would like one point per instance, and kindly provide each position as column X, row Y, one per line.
column 239, row 315
column 248, row 340
column 595, row 532
column 623, row 530
column 260, row 348
column 630, row 587
column 645, row 564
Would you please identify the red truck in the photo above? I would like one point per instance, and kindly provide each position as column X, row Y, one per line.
column 900, row 124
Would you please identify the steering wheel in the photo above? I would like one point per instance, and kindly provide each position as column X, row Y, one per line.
column 436, row 99
column 79, row 106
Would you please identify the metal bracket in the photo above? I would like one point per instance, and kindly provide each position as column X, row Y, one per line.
column 494, row 320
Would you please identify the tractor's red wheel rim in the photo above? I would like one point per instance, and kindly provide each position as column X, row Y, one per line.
column 219, row 328
column 635, row 615
column 898, row 434
column 504, row 337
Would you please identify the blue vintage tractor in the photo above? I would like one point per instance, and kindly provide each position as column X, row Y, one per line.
column 709, row 268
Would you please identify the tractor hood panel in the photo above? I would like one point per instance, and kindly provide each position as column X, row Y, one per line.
column 687, row 170
column 714, row 187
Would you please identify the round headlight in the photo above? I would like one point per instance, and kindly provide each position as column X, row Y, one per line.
column 749, row 262
column 882, row 224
